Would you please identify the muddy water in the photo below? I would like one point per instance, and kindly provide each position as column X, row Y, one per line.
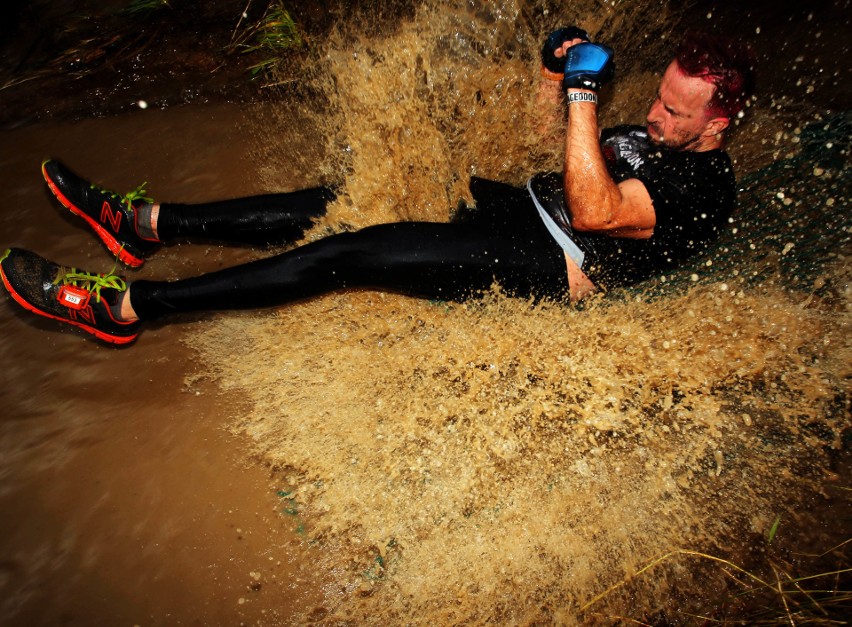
column 484, row 463
column 123, row 499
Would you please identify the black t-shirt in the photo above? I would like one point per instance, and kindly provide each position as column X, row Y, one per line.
column 693, row 196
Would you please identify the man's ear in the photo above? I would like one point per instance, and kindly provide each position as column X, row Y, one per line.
column 716, row 126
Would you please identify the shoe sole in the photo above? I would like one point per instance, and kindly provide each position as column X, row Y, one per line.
column 106, row 337
column 106, row 237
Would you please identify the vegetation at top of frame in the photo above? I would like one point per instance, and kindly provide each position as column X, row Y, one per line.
column 141, row 8
column 275, row 33
column 79, row 42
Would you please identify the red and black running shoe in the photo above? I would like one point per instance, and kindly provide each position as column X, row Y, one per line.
column 78, row 298
column 113, row 217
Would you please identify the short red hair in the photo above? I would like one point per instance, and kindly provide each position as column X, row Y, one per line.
column 726, row 63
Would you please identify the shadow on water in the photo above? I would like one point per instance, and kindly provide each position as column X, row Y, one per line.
column 493, row 462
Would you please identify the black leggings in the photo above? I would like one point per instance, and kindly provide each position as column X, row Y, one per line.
column 502, row 240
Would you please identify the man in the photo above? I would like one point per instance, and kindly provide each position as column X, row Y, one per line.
column 630, row 204
column 639, row 201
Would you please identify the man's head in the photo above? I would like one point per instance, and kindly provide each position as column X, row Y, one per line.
column 708, row 83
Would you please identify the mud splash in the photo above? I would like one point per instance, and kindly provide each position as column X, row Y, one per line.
column 499, row 462
column 488, row 462
column 484, row 462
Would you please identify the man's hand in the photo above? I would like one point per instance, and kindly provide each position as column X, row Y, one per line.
column 553, row 53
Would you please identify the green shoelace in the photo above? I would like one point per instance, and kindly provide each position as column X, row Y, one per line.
column 130, row 197
column 93, row 283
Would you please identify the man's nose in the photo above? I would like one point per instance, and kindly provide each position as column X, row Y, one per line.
column 654, row 111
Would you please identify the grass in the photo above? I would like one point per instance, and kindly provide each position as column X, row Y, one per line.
column 94, row 39
column 275, row 33
column 777, row 597
column 140, row 8
column 99, row 38
column 813, row 599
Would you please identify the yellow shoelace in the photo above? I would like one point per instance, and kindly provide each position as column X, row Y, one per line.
column 93, row 283
column 129, row 197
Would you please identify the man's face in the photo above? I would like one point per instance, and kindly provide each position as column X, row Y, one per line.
column 679, row 117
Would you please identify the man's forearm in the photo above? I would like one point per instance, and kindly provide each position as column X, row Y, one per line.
column 550, row 123
column 592, row 196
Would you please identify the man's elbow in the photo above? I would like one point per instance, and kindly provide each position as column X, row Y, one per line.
column 612, row 229
column 585, row 224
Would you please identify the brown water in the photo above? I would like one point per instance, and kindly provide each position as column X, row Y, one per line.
column 123, row 498
column 375, row 459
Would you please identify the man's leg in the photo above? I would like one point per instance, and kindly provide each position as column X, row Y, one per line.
column 424, row 259
column 256, row 220
column 429, row 260
column 132, row 226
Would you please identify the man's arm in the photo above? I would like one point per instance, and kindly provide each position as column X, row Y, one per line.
column 596, row 202
column 549, row 112
column 551, row 95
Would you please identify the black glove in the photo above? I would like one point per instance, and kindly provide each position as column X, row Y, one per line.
column 588, row 66
column 554, row 42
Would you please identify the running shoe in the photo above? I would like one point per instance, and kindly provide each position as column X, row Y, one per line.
column 78, row 298
column 112, row 216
